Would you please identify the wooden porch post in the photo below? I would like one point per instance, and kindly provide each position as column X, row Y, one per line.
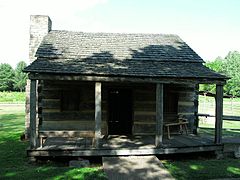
column 33, row 113
column 98, row 113
column 159, row 115
column 219, row 114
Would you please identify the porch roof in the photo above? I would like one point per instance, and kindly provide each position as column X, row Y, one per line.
column 127, row 68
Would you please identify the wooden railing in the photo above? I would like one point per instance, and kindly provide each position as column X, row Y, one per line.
column 231, row 118
column 225, row 117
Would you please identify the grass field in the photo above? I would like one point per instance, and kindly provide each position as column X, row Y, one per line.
column 12, row 97
column 202, row 167
column 13, row 161
column 230, row 106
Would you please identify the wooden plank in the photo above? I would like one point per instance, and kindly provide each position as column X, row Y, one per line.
column 51, row 104
column 145, row 102
column 219, row 114
column 144, row 128
column 50, row 94
column 144, row 117
column 68, row 125
column 185, row 103
column 50, row 110
column 145, row 122
column 68, row 115
column 141, row 113
column 159, row 114
column 99, row 78
column 66, row 133
column 71, row 125
column 98, row 113
column 231, row 118
column 33, row 114
column 115, row 152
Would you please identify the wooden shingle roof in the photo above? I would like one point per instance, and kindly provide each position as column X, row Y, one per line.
column 115, row 54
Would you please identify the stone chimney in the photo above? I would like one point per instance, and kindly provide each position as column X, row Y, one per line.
column 40, row 26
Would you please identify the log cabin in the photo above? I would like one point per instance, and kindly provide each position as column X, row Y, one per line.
column 100, row 94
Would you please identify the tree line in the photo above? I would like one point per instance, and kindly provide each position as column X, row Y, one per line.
column 13, row 79
column 229, row 66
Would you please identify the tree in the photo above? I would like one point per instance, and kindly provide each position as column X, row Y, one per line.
column 216, row 65
column 231, row 68
column 20, row 78
column 6, row 77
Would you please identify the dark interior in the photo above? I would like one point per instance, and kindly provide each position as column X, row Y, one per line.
column 120, row 112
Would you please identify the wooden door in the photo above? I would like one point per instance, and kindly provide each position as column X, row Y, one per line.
column 120, row 112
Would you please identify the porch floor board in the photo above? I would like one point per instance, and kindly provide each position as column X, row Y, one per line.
column 124, row 145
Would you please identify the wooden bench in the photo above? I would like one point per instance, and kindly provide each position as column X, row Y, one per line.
column 182, row 123
column 43, row 134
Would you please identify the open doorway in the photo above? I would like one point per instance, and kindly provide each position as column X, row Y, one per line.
column 120, row 112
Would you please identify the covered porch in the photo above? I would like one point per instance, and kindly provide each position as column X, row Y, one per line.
column 124, row 145
column 97, row 142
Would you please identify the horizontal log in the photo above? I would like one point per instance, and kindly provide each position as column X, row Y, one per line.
column 121, row 152
column 50, row 82
column 68, row 115
column 144, row 118
column 176, row 80
column 47, row 94
column 144, row 122
column 144, row 105
column 66, row 133
column 50, row 104
column 185, row 103
column 144, row 134
column 67, row 125
column 56, row 104
column 143, row 88
column 145, row 113
column 74, row 115
column 144, row 128
column 50, row 110
column 70, row 125
column 148, row 96
column 187, row 98
column 231, row 118
column 187, row 113
column 146, row 108
column 186, row 109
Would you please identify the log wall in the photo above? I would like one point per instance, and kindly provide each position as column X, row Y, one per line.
column 188, row 104
column 144, row 110
column 53, row 117
column 177, row 100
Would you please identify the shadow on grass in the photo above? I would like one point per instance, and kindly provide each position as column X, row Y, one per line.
column 201, row 166
column 14, row 162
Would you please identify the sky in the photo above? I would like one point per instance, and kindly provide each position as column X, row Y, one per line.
column 209, row 27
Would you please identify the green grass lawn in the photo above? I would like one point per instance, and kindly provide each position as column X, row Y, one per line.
column 12, row 97
column 13, row 161
column 203, row 168
column 230, row 106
